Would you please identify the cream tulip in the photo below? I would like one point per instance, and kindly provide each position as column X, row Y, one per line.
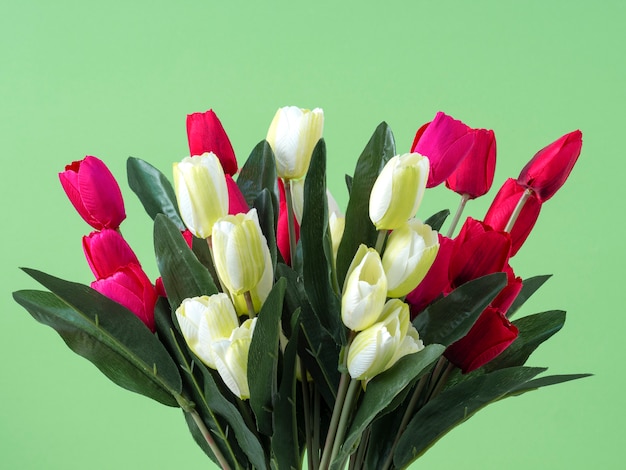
column 259, row 292
column 398, row 191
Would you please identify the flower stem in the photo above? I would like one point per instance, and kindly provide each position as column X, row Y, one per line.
column 380, row 241
column 442, row 380
column 249, row 304
column 457, row 215
column 209, row 439
column 316, row 428
column 346, row 411
column 290, row 222
column 334, row 420
column 306, row 405
column 518, row 210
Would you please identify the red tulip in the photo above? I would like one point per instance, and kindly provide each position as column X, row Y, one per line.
column 546, row 172
column 502, row 208
column 130, row 287
column 446, row 142
column 491, row 334
column 478, row 250
column 94, row 193
column 474, row 175
column 206, row 134
column 236, row 202
column 106, row 252
column 507, row 296
column 282, row 228
column 436, row 281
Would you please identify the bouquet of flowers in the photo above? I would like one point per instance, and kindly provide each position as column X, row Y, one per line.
column 288, row 332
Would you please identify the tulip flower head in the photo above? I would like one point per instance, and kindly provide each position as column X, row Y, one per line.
column 236, row 201
column 293, row 134
column 207, row 135
column 398, row 191
column 107, row 251
column 94, row 193
column 201, row 192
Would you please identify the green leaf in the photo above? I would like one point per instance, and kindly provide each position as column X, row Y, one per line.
column 450, row 318
column 544, row 382
column 267, row 221
column 455, row 405
column 529, row 287
column 263, row 358
column 258, row 173
column 381, row 391
column 359, row 228
column 436, row 220
column 107, row 334
column 533, row 330
column 183, row 275
column 316, row 249
column 153, row 190
column 348, row 183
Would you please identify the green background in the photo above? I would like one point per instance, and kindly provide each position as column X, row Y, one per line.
column 117, row 78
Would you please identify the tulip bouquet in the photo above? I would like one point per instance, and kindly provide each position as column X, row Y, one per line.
column 287, row 332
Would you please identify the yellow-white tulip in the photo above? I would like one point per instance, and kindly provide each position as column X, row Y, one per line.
column 364, row 291
column 259, row 292
column 231, row 358
column 409, row 254
column 398, row 191
column 204, row 320
column 293, row 134
column 201, row 192
column 239, row 250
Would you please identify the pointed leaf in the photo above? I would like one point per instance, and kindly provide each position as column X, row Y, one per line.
column 529, row 287
column 153, row 190
column 544, row 382
column 436, row 220
column 258, row 173
column 267, row 221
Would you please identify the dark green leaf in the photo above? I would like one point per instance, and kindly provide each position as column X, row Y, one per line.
column 381, row 391
column 263, row 358
column 455, row 405
column 544, row 382
column 107, row 334
column 153, row 190
column 183, row 275
column 529, row 287
column 258, row 173
column 436, row 220
column 267, row 221
column 349, row 183
column 359, row 228
column 450, row 318
column 533, row 330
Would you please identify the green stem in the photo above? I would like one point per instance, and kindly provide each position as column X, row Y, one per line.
column 334, row 420
column 442, row 380
column 351, row 394
column 209, row 440
column 380, row 241
column 316, row 428
column 457, row 215
column 249, row 304
column 518, row 210
column 290, row 222
column 306, row 405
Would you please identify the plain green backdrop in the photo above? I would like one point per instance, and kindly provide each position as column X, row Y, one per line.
column 117, row 78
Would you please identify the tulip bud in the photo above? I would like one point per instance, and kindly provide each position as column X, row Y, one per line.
column 239, row 250
column 201, row 192
column 130, row 287
column 94, row 193
column 398, row 190
column 547, row 171
column 231, row 358
column 445, row 142
column 474, row 175
column 236, row 201
column 282, row 227
column 364, row 291
column 206, row 134
column 259, row 292
column 204, row 321
column 293, row 134
column 409, row 254
column 106, row 252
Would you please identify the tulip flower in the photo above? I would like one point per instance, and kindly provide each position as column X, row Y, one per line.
column 207, row 135
column 436, row 281
column 293, row 134
column 398, row 191
column 380, row 346
column 231, row 358
column 491, row 335
column 547, row 171
column 205, row 320
column 445, row 142
column 364, row 291
column 106, row 252
column 410, row 252
column 509, row 293
column 236, row 201
column 282, row 227
column 474, row 175
column 239, row 250
column 478, row 250
column 94, row 193
column 130, row 287
column 259, row 292
column 502, row 208
column 201, row 192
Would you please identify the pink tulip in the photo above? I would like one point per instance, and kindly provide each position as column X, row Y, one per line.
column 474, row 175
column 502, row 208
column 547, row 171
column 507, row 296
column 206, row 134
column 130, row 287
column 282, row 228
column 236, row 202
column 106, row 252
column 94, row 193
column 446, row 142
